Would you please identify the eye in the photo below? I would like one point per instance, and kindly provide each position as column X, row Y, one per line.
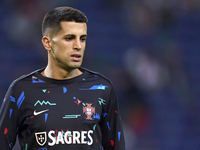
column 68, row 38
column 83, row 39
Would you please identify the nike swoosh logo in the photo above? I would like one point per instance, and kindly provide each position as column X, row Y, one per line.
column 37, row 113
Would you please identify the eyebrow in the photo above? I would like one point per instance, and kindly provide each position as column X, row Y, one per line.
column 85, row 35
column 72, row 35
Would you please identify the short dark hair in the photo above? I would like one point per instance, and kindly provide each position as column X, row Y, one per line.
column 53, row 18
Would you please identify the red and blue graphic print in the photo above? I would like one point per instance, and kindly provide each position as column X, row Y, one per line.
column 80, row 113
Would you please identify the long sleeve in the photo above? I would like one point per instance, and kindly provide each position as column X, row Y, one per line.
column 112, row 132
column 8, row 120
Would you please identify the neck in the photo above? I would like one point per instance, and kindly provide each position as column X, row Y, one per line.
column 60, row 73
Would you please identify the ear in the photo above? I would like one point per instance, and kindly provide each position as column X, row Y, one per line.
column 46, row 41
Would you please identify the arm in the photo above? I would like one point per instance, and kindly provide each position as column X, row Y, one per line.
column 8, row 121
column 111, row 127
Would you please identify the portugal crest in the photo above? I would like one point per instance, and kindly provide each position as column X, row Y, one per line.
column 89, row 111
column 41, row 138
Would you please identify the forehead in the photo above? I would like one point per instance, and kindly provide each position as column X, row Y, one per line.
column 73, row 28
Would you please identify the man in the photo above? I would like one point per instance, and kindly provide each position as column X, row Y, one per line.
column 62, row 106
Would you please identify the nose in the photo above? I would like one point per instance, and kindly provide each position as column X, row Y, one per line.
column 77, row 44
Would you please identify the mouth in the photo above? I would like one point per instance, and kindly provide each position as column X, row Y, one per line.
column 76, row 57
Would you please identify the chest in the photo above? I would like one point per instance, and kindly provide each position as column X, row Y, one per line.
column 62, row 108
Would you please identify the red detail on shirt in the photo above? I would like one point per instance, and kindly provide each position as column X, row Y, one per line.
column 112, row 142
column 5, row 131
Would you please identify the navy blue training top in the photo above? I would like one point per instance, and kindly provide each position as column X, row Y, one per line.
column 74, row 114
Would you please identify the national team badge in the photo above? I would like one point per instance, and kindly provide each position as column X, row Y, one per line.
column 41, row 138
column 89, row 111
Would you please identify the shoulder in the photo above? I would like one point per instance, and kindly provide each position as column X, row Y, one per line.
column 97, row 75
column 21, row 80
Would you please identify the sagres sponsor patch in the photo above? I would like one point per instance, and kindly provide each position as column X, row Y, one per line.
column 41, row 138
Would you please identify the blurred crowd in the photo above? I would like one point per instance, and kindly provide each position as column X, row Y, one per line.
column 148, row 48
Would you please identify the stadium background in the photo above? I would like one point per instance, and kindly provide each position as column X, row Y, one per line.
column 149, row 49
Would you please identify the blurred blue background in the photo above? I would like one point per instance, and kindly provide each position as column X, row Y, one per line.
column 149, row 49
